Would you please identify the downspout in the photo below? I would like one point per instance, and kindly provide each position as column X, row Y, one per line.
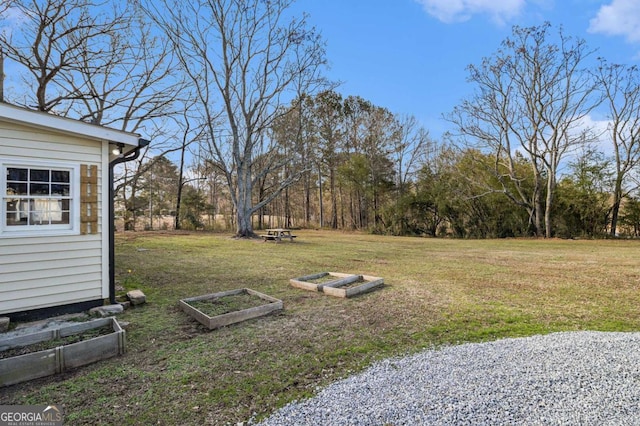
column 130, row 156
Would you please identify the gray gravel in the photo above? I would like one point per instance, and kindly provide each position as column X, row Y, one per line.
column 576, row 378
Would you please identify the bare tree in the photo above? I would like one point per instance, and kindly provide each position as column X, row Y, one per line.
column 533, row 97
column 621, row 87
column 1, row 76
column 126, row 78
column 4, row 8
column 410, row 151
column 245, row 60
column 50, row 41
column 92, row 61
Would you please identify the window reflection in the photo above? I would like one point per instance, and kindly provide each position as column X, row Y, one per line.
column 37, row 197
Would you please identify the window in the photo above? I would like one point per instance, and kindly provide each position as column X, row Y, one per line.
column 37, row 198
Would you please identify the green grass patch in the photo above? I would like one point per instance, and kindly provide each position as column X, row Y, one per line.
column 436, row 293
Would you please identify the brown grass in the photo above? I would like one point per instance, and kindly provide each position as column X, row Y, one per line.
column 437, row 292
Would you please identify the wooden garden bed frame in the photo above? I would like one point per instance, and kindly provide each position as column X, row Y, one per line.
column 47, row 362
column 272, row 304
column 334, row 287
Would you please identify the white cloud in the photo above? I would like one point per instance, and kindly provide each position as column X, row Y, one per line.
column 12, row 17
column 13, row 14
column 461, row 10
column 621, row 18
column 599, row 128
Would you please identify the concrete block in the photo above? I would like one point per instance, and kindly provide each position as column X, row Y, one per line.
column 4, row 324
column 106, row 311
column 136, row 297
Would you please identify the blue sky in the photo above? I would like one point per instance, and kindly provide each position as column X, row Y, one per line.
column 410, row 55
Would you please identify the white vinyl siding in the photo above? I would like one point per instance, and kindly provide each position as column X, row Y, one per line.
column 41, row 275
column 26, row 143
column 46, row 270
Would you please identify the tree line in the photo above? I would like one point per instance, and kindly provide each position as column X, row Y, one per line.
column 261, row 138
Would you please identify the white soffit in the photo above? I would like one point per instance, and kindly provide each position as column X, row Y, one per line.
column 56, row 123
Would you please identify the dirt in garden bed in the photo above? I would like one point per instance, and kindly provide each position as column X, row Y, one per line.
column 54, row 343
column 225, row 304
column 354, row 284
column 324, row 279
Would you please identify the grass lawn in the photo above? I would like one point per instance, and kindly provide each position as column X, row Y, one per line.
column 436, row 292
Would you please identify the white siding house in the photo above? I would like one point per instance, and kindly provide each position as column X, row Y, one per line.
column 54, row 213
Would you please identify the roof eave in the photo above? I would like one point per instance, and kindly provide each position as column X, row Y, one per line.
column 45, row 120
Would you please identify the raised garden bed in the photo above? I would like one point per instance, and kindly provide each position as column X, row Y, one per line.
column 315, row 282
column 337, row 284
column 54, row 351
column 349, row 288
column 229, row 307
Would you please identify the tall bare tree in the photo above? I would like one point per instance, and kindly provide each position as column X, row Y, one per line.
column 245, row 59
column 1, row 76
column 3, row 10
column 621, row 87
column 533, row 97
column 410, row 151
column 127, row 80
column 97, row 61
column 49, row 41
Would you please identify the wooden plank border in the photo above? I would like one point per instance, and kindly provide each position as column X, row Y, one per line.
column 232, row 317
column 34, row 365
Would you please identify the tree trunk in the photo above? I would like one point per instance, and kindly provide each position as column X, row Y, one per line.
column 538, row 213
column 176, row 224
column 1, row 76
column 342, row 223
column 287, row 209
column 334, row 199
column 549, row 204
column 307, row 198
column 129, row 203
column 244, row 208
column 615, row 209
column 320, row 203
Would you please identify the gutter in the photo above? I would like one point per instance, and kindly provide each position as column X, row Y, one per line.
column 130, row 156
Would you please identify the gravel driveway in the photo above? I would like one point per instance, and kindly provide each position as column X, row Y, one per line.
column 573, row 378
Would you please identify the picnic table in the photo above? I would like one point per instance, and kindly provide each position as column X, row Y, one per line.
column 277, row 234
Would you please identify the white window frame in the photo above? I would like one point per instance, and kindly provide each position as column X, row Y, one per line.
column 72, row 228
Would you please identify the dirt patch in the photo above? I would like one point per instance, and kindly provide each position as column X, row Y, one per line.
column 323, row 279
column 54, row 343
column 224, row 305
column 354, row 283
